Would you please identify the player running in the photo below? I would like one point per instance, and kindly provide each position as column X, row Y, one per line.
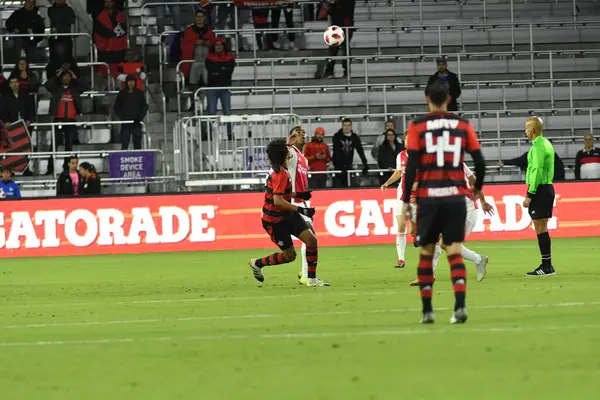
column 479, row 260
column 281, row 219
column 401, row 160
column 298, row 170
column 436, row 144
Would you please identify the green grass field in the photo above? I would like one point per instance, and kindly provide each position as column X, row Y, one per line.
column 198, row 326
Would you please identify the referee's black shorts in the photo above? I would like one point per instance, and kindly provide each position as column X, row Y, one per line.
column 542, row 202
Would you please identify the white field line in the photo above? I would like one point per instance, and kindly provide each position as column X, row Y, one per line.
column 408, row 291
column 302, row 335
column 266, row 316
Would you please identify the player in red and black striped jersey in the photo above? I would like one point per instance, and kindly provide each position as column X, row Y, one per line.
column 282, row 219
column 436, row 144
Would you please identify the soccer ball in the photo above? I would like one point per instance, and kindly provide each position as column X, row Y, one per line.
column 334, row 35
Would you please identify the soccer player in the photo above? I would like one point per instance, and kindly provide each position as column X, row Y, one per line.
column 298, row 170
column 540, row 192
column 281, row 219
column 436, row 144
column 479, row 260
column 401, row 159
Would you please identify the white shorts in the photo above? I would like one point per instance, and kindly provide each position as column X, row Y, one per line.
column 413, row 210
column 472, row 218
column 303, row 204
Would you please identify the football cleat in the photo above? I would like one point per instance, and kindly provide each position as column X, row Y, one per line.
column 316, row 282
column 542, row 271
column 459, row 316
column 428, row 318
column 414, row 283
column 481, row 268
column 256, row 271
column 400, row 264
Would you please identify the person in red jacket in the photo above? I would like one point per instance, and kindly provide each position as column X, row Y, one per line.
column 219, row 66
column 132, row 66
column 318, row 156
column 110, row 35
column 195, row 46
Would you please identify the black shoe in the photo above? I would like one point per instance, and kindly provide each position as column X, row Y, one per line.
column 415, row 243
column 542, row 271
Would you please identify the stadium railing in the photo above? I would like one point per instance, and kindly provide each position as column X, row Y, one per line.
column 4, row 37
column 527, row 28
column 205, row 138
column 386, row 88
column 369, row 61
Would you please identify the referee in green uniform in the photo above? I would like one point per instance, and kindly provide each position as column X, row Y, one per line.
column 540, row 192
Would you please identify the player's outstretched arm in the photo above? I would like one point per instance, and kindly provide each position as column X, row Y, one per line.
column 487, row 207
column 395, row 176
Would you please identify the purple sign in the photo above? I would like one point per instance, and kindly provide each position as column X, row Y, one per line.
column 132, row 164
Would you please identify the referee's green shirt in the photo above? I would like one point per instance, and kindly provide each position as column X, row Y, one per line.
column 540, row 164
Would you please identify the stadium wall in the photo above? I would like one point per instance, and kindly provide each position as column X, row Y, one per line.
column 221, row 221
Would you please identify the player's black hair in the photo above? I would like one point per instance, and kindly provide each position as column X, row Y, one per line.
column 297, row 127
column 277, row 151
column 438, row 92
column 346, row 120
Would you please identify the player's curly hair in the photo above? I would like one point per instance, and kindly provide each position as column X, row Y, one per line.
column 277, row 151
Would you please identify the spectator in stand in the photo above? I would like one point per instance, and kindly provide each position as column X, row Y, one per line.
column 28, row 80
column 289, row 23
column 61, row 60
column 65, row 105
column 131, row 105
column 381, row 138
column 16, row 105
column 342, row 15
column 587, row 161
column 62, row 19
column 26, row 21
column 443, row 74
column 318, row 156
column 91, row 181
column 195, row 46
column 219, row 66
column 387, row 153
column 70, row 182
column 132, row 66
column 110, row 35
column 9, row 190
column 174, row 10
column 260, row 19
column 345, row 141
column 521, row 162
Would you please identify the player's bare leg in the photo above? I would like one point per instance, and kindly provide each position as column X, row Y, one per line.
column 545, row 244
column 401, row 242
column 283, row 257
column 458, row 274
column 303, row 275
column 312, row 255
column 425, row 278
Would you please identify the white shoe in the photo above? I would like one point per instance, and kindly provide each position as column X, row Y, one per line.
column 316, row 282
column 427, row 318
column 481, row 268
column 256, row 271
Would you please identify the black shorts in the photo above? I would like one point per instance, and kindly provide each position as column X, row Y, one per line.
column 542, row 202
column 281, row 233
column 444, row 217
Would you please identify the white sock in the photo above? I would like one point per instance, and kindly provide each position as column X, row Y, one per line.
column 401, row 245
column 436, row 256
column 304, row 262
column 470, row 255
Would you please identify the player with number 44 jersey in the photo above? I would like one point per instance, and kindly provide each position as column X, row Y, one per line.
column 436, row 144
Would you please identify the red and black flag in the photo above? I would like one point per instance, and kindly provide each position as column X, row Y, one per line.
column 14, row 138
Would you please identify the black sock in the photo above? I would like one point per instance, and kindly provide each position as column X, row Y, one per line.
column 545, row 249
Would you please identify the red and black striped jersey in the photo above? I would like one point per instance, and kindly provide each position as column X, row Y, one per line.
column 279, row 183
column 441, row 139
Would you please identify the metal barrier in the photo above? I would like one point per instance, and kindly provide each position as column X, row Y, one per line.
column 6, row 37
column 385, row 88
column 204, row 144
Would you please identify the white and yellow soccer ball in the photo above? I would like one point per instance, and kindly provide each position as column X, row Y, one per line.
column 333, row 35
